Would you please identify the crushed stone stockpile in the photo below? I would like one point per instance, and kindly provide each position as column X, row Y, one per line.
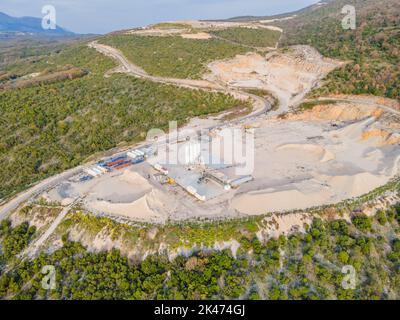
column 331, row 157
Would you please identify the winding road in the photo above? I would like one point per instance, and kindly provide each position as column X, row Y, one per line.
column 260, row 106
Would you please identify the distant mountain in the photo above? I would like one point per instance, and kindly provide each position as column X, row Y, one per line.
column 28, row 26
column 278, row 16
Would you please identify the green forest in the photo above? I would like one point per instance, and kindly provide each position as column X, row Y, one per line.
column 301, row 266
column 258, row 38
column 173, row 56
column 372, row 50
column 48, row 128
column 18, row 50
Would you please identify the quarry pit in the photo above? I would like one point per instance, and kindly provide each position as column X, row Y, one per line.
column 299, row 158
column 306, row 159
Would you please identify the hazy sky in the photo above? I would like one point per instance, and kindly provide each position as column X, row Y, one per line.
column 101, row 16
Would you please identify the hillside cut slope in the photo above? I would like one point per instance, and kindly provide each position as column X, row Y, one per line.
column 372, row 49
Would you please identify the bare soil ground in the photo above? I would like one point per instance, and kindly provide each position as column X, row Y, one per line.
column 316, row 157
column 288, row 74
column 305, row 159
column 193, row 29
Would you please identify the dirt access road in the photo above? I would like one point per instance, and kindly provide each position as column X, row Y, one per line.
column 34, row 247
column 41, row 187
column 260, row 105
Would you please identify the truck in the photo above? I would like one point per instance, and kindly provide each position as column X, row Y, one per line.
column 160, row 168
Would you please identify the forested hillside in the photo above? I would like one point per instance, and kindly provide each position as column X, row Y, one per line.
column 301, row 266
column 259, row 38
column 17, row 50
column 372, row 50
column 47, row 128
column 173, row 56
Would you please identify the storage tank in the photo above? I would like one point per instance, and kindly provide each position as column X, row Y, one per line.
column 238, row 182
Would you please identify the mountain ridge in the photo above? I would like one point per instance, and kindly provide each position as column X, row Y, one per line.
column 275, row 16
column 28, row 26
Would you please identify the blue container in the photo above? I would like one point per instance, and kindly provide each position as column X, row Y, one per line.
column 116, row 159
column 137, row 160
column 86, row 178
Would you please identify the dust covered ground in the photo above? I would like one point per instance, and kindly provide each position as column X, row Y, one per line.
column 321, row 156
column 194, row 29
column 306, row 159
column 288, row 74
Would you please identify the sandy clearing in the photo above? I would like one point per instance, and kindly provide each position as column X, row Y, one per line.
column 126, row 186
column 154, row 206
column 30, row 76
column 278, row 19
column 196, row 24
column 289, row 74
column 356, row 185
column 298, row 163
column 36, row 190
column 274, row 28
column 40, row 217
column 283, row 224
column 317, row 157
column 342, row 111
column 320, row 156
column 189, row 27
column 319, row 151
column 135, row 181
column 264, row 201
column 155, row 32
column 125, row 193
column 197, row 36
column 364, row 99
column 296, row 199
column 138, row 210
